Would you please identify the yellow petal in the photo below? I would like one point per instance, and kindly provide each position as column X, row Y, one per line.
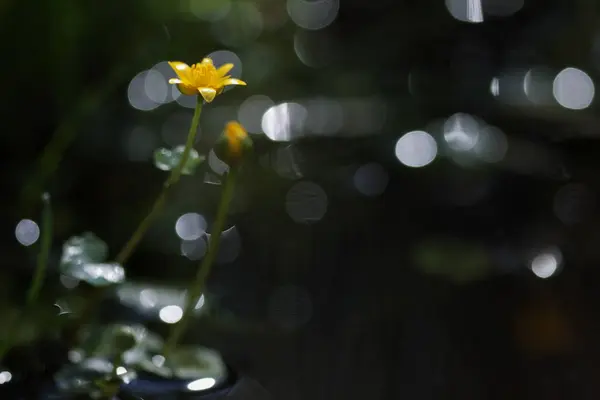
column 181, row 69
column 208, row 94
column 224, row 69
column 207, row 61
column 175, row 81
column 232, row 81
column 186, row 89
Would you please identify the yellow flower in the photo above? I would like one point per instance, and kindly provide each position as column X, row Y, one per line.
column 202, row 78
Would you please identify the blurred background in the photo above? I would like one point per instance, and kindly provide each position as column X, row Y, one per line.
column 419, row 218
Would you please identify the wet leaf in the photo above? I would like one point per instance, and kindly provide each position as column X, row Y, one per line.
column 98, row 274
column 84, row 249
column 84, row 257
column 127, row 341
column 90, row 377
column 197, row 362
column 187, row 362
column 166, row 159
column 149, row 299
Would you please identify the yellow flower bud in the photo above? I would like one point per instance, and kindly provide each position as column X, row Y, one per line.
column 234, row 144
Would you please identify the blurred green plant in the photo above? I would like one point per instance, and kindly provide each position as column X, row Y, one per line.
column 65, row 48
column 15, row 326
column 84, row 259
column 109, row 356
column 173, row 178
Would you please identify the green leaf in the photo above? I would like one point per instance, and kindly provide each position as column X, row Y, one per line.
column 87, row 248
column 166, row 160
column 119, row 340
column 101, row 274
column 84, row 258
column 187, row 362
column 91, row 376
column 148, row 299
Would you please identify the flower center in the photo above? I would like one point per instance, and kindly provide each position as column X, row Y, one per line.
column 203, row 75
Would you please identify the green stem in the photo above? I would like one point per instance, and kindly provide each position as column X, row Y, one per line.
column 197, row 287
column 42, row 258
column 134, row 240
column 173, row 178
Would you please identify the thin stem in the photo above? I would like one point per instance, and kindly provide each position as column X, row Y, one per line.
column 173, row 178
column 197, row 287
column 42, row 258
column 134, row 240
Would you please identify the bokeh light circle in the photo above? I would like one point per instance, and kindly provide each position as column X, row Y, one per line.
column 306, row 202
column 27, row 232
column 416, row 149
column 573, row 89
